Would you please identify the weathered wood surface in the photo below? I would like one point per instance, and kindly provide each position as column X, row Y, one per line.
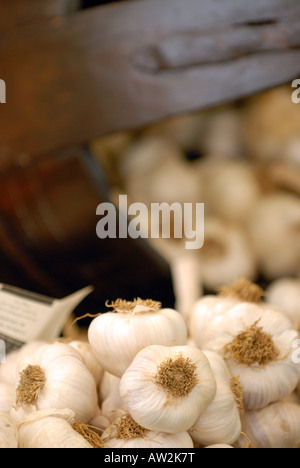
column 128, row 64
column 14, row 13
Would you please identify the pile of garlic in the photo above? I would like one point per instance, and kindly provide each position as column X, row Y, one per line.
column 148, row 378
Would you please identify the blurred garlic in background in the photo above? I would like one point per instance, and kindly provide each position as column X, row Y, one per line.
column 274, row 230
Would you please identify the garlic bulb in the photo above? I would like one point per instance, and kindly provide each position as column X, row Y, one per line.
column 275, row 426
column 51, row 429
column 8, row 432
column 90, row 358
column 166, row 389
column 126, row 433
column 221, row 419
column 55, row 376
column 110, row 398
column 231, row 189
column 285, row 294
column 118, row 336
column 256, row 342
column 226, row 255
column 274, row 229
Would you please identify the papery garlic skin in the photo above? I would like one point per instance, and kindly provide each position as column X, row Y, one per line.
column 285, row 294
column 221, row 419
column 8, row 432
column 118, row 337
column 69, row 383
column 90, row 358
column 150, row 405
column 219, row 446
column 261, row 384
column 275, row 426
column 7, row 397
column 110, row 399
column 50, row 429
column 159, row 440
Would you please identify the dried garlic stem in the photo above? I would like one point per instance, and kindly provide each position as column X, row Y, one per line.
column 177, row 376
column 253, row 346
column 244, row 290
column 89, row 434
column 32, row 381
column 128, row 307
column 237, row 391
column 129, row 429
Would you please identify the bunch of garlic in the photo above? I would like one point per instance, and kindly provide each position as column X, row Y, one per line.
column 255, row 340
column 118, row 336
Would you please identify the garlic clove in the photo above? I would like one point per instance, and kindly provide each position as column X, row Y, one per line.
column 165, row 389
column 90, row 358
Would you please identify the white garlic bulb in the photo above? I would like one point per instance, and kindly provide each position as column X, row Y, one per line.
column 231, row 188
column 221, row 419
column 90, row 358
column 226, row 255
column 275, row 426
column 166, row 389
column 274, row 229
column 118, row 336
column 8, row 432
column 256, row 342
column 55, row 376
column 50, row 429
column 285, row 294
column 126, row 433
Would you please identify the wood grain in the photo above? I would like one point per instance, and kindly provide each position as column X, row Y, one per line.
column 78, row 77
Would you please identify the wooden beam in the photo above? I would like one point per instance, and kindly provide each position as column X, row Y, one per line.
column 82, row 76
column 16, row 13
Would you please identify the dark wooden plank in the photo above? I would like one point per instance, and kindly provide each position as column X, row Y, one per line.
column 20, row 12
column 81, row 77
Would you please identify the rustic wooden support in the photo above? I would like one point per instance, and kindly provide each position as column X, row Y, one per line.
column 79, row 77
column 15, row 13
